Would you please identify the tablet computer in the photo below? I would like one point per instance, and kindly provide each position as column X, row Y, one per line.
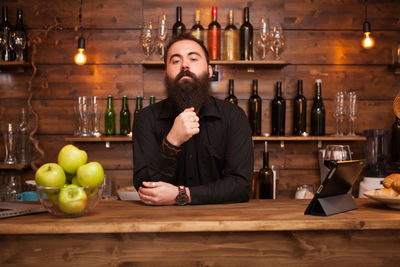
column 334, row 194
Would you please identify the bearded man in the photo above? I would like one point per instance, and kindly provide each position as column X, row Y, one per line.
column 191, row 148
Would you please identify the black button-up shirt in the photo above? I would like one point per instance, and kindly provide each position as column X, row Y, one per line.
column 216, row 164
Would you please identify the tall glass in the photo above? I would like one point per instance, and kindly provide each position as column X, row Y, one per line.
column 264, row 39
column 147, row 40
column 95, row 115
column 23, row 139
column 339, row 113
column 162, row 36
column 10, row 139
column 78, row 124
column 84, row 115
column 277, row 40
column 352, row 112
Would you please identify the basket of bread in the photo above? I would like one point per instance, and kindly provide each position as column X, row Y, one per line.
column 390, row 193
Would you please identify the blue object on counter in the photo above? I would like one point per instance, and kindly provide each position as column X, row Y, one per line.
column 27, row 196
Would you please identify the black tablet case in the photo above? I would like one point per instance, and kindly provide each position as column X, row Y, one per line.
column 334, row 195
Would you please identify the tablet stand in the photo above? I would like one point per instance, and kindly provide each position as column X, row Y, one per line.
column 326, row 206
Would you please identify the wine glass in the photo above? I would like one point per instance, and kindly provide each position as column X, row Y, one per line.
column 162, row 36
column 334, row 153
column 18, row 43
column 277, row 40
column 352, row 112
column 339, row 113
column 147, row 40
column 264, row 38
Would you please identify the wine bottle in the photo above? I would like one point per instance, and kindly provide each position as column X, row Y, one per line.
column 266, row 182
column 255, row 109
column 5, row 29
column 231, row 98
column 178, row 28
column 230, row 39
column 246, row 37
column 124, row 118
column 299, row 111
column 139, row 104
column 197, row 30
column 214, row 37
column 395, row 158
column 109, row 122
column 318, row 112
column 20, row 27
column 278, row 112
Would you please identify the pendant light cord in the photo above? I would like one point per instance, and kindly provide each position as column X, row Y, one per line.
column 80, row 18
column 365, row 10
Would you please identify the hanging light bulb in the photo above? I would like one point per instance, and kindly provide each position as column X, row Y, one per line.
column 80, row 57
column 367, row 42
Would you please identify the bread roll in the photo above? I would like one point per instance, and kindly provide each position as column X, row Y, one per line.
column 396, row 185
column 387, row 182
column 386, row 192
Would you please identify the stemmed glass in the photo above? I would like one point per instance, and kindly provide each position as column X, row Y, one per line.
column 18, row 43
column 162, row 36
column 336, row 153
column 147, row 40
column 264, row 38
column 277, row 40
column 352, row 112
column 339, row 113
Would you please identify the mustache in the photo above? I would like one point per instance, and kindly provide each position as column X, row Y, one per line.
column 185, row 73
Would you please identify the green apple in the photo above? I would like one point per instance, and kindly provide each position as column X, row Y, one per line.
column 75, row 181
column 90, row 174
column 71, row 158
column 72, row 199
column 91, row 191
column 50, row 175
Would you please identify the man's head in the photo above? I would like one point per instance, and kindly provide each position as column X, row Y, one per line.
column 187, row 72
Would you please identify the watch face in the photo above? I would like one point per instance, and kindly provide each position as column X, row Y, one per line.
column 182, row 199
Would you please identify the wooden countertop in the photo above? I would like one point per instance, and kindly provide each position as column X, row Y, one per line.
column 112, row 216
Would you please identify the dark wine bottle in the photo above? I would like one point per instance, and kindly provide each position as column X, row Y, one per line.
column 214, row 37
column 20, row 27
column 266, row 184
column 396, row 142
column 197, row 30
column 278, row 112
column 246, row 37
column 109, row 116
column 299, row 111
column 124, row 118
column 318, row 112
column 255, row 109
column 231, row 98
column 5, row 29
column 230, row 39
column 178, row 28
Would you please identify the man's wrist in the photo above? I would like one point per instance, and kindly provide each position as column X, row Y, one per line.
column 169, row 149
column 171, row 140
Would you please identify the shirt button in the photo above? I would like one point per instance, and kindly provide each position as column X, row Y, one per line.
column 190, row 156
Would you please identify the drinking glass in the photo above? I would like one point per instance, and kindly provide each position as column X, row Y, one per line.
column 83, row 109
column 162, row 36
column 264, row 38
column 23, row 139
column 18, row 43
column 13, row 187
column 339, row 113
column 10, row 139
column 77, row 130
column 334, row 153
column 95, row 115
column 147, row 40
column 277, row 40
column 352, row 112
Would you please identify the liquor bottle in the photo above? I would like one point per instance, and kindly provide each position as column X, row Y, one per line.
column 214, row 37
column 246, row 37
column 178, row 28
column 231, row 98
column 278, row 112
column 124, row 118
column 197, row 30
column 109, row 116
column 318, row 112
column 139, row 104
column 20, row 27
column 152, row 100
column 5, row 29
column 230, row 39
column 395, row 158
column 255, row 110
column 266, row 181
column 299, row 111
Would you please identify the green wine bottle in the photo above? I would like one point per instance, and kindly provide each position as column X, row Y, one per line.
column 124, row 118
column 109, row 123
column 139, row 104
column 318, row 112
column 231, row 98
column 255, row 109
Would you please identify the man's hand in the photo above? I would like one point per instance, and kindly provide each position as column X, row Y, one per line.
column 185, row 126
column 159, row 193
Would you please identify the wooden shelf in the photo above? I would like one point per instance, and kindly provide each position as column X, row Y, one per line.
column 115, row 138
column 310, row 138
column 254, row 63
column 21, row 66
column 13, row 166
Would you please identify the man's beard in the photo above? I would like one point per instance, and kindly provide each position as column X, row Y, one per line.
column 188, row 93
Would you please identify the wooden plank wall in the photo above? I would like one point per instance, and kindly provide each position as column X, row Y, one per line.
column 323, row 41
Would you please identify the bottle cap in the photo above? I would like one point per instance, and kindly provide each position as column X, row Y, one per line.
column 318, row 81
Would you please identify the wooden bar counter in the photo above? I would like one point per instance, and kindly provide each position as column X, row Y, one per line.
column 257, row 233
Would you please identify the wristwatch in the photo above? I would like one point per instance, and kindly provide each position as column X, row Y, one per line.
column 182, row 198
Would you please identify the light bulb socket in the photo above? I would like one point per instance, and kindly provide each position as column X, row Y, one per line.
column 366, row 27
column 81, row 43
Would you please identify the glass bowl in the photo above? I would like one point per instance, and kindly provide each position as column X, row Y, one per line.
column 69, row 201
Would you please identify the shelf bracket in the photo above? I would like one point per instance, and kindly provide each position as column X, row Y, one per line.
column 282, row 144
column 107, row 144
column 319, row 143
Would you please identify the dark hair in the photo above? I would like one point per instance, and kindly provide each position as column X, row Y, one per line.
column 186, row 36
